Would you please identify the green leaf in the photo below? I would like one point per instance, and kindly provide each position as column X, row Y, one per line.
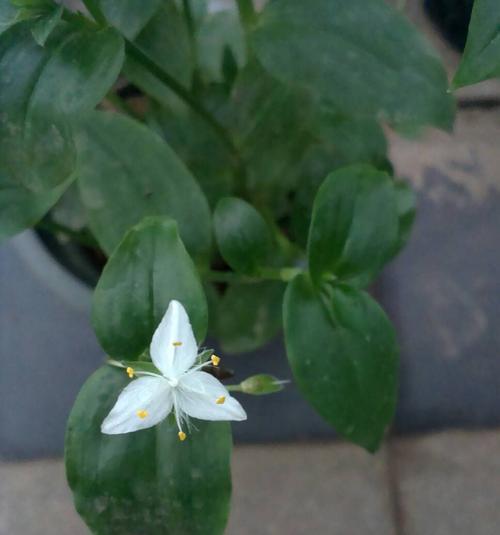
column 126, row 172
column 218, row 33
column 165, row 40
column 354, row 225
column 249, row 315
column 481, row 58
column 129, row 16
column 243, row 236
column 196, row 143
column 343, row 354
column 406, row 205
column 8, row 15
column 339, row 140
column 270, row 123
column 145, row 482
column 41, row 90
column 148, row 269
column 46, row 23
column 363, row 56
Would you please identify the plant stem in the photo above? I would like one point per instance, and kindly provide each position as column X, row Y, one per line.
column 95, row 10
column 184, row 94
column 190, row 23
column 275, row 274
column 164, row 77
column 248, row 15
column 234, row 388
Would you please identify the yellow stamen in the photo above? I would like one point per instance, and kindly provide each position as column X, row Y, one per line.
column 182, row 436
column 142, row 414
column 176, row 344
column 215, row 360
column 130, row 372
column 220, row 400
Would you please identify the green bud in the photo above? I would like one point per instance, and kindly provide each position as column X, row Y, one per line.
column 261, row 384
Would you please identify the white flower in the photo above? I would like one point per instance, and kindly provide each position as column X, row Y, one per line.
column 181, row 386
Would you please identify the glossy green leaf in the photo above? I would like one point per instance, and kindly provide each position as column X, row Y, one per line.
column 343, row 354
column 43, row 15
column 242, row 234
column 198, row 146
column 406, row 205
column 481, row 58
column 363, row 56
column 270, row 123
column 46, row 22
column 126, row 172
column 354, row 225
column 148, row 269
column 8, row 15
column 219, row 32
column 41, row 89
column 165, row 41
column 147, row 482
column 129, row 16
column 339, row 140
column 249, row 315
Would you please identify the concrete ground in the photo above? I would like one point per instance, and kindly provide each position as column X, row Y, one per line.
column 441, row 484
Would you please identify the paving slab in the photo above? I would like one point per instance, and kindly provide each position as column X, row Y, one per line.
column 35, row 500
column 450, row 483
column 285, row 490
column 442, row 291
column 333, row 489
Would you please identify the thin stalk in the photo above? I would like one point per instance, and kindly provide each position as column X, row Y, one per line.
column 266, row 274
column 95, row 10
column 247, row 12
column 136, row 53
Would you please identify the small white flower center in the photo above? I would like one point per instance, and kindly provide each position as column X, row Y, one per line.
column 172, row 382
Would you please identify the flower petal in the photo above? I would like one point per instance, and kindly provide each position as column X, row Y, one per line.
column 173, row 347
column 197, row 396
column 143, row 403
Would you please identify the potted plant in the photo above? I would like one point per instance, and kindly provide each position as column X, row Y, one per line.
column 226, row 168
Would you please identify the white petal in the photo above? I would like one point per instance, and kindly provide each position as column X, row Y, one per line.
column 173, row 348
column 150, row 394
column 197, row 395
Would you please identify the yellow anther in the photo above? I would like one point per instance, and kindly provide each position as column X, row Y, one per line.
column 130, row 372
column 220, row 400
column 176, row 344
column 142, row 414
column 182, row 436
column 215, row 360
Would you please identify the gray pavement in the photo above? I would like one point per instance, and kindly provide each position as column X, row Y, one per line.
column 441, row 484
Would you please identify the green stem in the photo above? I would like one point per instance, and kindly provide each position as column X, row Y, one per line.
column 234, row 388
column 164, row 77
column 136, row 53
column 266, row 274
column 95, row 10
column 248, row 15
column 190, row 23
